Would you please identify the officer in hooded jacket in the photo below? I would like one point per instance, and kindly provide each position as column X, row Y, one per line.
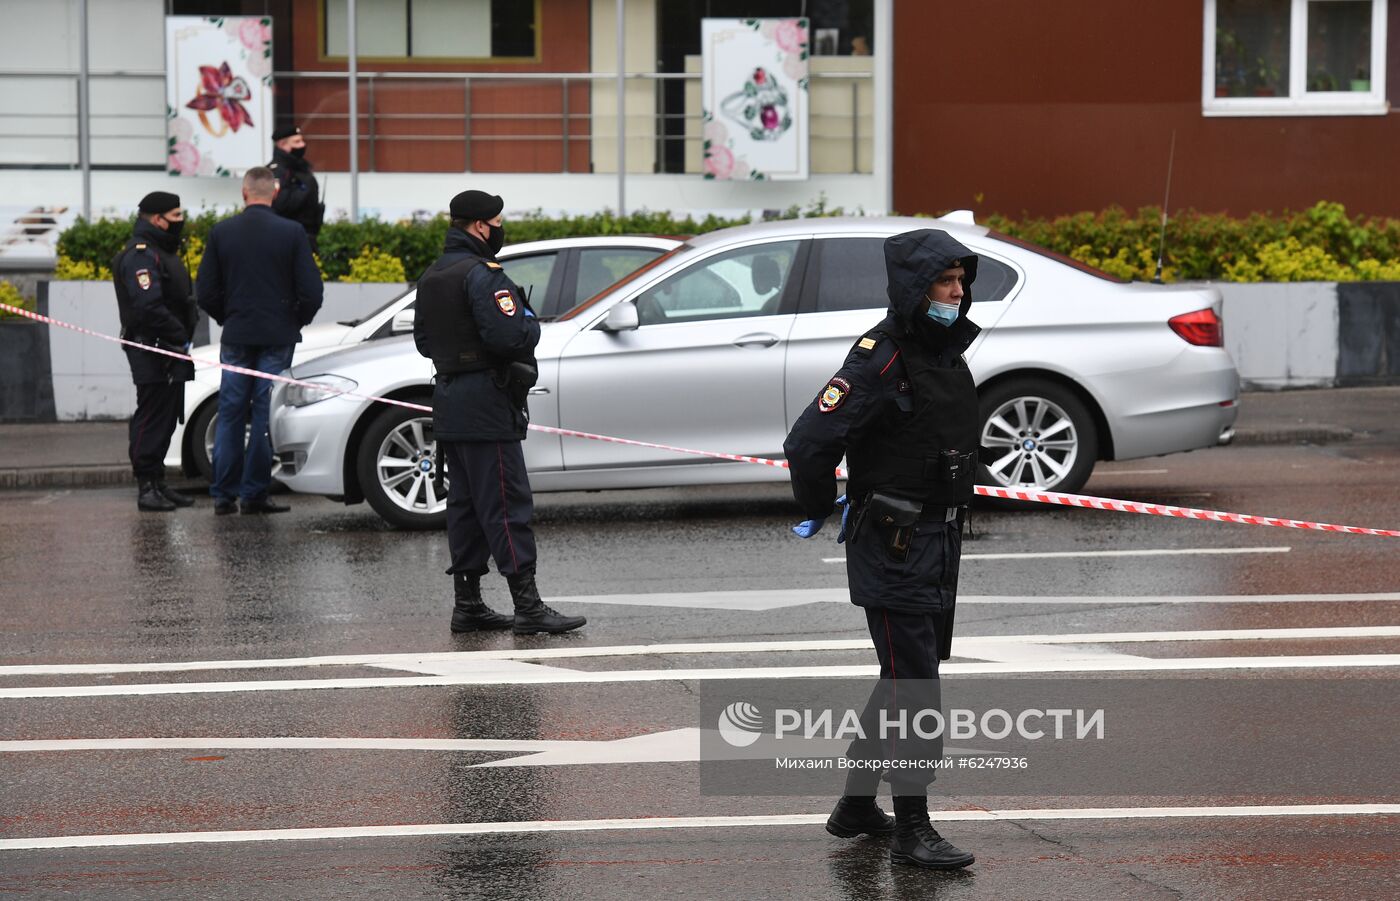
column 156, row 304
column 903, row 411
column 480, row 332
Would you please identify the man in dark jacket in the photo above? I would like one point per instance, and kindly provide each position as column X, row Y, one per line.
column 903, row 411
column 477, row 327
column 156, row 305
column 298, row 197
column 259, row 281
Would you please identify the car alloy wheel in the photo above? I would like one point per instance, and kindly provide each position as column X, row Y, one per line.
column 204, row 426
column 1040, row 435
column 397, row 465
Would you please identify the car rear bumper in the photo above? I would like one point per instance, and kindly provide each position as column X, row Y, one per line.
column 1204, row 406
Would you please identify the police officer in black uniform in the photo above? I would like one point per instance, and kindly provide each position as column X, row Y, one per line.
column 298, row 195
column 156, row 305
column 477, row 327
column 903, row 411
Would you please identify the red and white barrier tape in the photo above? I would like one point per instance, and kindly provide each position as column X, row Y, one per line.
column 1020, row 494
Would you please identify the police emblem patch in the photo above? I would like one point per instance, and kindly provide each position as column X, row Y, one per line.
column 143, row 278
column 505, row 303
column 833, row 395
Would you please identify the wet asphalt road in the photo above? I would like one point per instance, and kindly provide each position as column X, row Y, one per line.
column 88, row 580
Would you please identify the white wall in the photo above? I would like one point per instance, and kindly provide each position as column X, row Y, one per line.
column 1282, row 335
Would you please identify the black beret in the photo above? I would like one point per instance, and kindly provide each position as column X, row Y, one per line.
column 474, row 205
column 286, row 131
column 159, row 202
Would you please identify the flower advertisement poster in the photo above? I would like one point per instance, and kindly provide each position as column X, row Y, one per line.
column 755, row 98
column 218, row 94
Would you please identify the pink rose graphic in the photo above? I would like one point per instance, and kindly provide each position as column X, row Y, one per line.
column 184, row 158
column 719, row 162
column 254, row 34
column 715, row 132
column 795, row 67
column 790, row 36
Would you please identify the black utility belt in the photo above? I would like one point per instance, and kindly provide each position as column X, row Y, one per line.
column 894, row 518
column 944, row 466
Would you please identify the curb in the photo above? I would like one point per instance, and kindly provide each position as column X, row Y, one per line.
column 1300, row 435
column 106, row 475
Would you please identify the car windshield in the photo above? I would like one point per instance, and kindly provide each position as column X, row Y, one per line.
column 632, row 276
column 377, row 310
column 1058, row 257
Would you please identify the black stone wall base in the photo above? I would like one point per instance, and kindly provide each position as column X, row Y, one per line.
column 1368, row 333
column 26, row 373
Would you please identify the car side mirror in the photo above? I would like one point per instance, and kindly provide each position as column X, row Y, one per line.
column 622, row 318
column 402, row 322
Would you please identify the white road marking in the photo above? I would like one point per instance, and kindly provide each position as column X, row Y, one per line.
column 1066, row 555
column 653, row 823
column 549, row 676
column 1128, row 472
column 411, row 662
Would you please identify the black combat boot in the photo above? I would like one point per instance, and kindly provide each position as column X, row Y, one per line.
column 151, row 500
column 916, row 843
column 534, row 615
column 856, row 815
column 178, row 498
column 470, row 612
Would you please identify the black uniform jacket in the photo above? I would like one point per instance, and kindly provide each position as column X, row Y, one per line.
column 298, row 195
column 475, row 406
column 258, row 279
column 869, row 397
column 156, row 303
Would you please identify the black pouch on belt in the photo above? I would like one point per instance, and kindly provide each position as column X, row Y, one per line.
column 895, row 518
column 516, row 379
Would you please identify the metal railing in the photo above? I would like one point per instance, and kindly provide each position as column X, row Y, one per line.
column 29, row 136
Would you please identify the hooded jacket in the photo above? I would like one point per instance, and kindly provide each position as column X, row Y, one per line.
column 902, row 398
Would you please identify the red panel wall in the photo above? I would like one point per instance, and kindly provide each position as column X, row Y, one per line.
column 421, row 125
column 1024, row 106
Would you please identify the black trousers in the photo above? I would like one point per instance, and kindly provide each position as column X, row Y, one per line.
column 489, row 506
column 907, row 647
column 157, row 410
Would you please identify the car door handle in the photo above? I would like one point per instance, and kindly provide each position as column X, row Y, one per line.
column 756, row 339
column 538, row 389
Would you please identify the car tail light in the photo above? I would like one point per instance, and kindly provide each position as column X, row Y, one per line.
column 1201, row 328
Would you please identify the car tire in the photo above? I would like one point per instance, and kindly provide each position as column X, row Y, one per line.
column 397, row 463
column 200, row 434
column 1043, row 434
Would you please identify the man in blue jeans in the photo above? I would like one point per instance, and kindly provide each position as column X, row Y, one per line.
column 259, row 281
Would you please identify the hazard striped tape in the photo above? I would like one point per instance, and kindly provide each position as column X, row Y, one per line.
column 1017, row 494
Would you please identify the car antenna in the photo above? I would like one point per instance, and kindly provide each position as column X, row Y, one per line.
column 1162, row 239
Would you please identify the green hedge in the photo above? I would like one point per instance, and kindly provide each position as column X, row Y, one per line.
column 1318, row 244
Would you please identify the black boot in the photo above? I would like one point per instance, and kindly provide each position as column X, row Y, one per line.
column 151, row 500
column 917, row 843
column 470, row 612
column 856, row 815
column 534, row 615
column 178, row 498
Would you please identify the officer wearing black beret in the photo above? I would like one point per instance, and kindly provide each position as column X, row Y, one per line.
column 298, row 194
column 477, row 327
column 157, row 308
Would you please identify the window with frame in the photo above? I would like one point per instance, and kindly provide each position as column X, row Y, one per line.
column 745, row 282
column 1294, row 57
column 432, row 29
column 851, row 275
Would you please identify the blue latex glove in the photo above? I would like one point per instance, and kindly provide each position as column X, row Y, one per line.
column 808, row 527
column 845, row 506
column 529, row 313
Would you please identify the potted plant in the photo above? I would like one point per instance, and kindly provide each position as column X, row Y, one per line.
column 1362, row 81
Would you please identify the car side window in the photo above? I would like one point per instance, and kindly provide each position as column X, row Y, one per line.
column 744, row 282
column 532, row 274
column 851, row 276
column 599, row 267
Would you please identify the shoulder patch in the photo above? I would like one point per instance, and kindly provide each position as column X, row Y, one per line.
column 833, row 395
column 505, row 303
column 143, row 278
column 140, row 246
column 491, row 265
column 868, row 343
